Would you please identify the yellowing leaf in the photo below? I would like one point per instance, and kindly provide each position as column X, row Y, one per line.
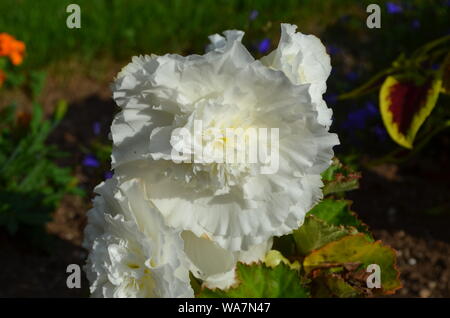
column 404, row 106
column 273, row 258
column 332, row 285
column 360, row 250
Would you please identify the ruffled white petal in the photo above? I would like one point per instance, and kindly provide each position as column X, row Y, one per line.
column 303, row 58
column 236, row 205
column 216, row 266
column 132, row 253
column 219, row 42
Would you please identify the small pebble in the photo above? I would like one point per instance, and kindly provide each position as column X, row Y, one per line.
column 425, row 293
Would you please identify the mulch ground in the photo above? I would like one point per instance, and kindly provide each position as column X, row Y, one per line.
column 411, row 214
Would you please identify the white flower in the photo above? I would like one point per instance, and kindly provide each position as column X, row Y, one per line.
column 302, row 58
column 216, row 266
column 124, row 231
column 233, row 204
column 132, row 252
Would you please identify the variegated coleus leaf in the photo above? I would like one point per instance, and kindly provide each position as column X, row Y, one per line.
column 405, row 104
column 446, row 77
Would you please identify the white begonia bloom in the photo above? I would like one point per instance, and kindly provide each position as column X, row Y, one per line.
column 119, row 221
column 233, row 204
column 303, row 58
column 216, row 266
column 219, row 42
column 132, row 253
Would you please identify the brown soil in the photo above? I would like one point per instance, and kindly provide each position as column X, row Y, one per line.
column 411, row 213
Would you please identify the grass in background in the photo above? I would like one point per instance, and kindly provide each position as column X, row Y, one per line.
column 119, row 29
column 114, row 30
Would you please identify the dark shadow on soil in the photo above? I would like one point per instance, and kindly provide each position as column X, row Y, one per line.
column 407, row 204
column 30, row 271
column 412, row 215
column 76, row 131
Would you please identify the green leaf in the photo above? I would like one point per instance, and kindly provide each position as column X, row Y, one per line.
column 332, row 285
column 356, row 249
column 37, row 117
column 273, row 258
column 7, row 115
column 3, row 62
column 341, row 186
column 101, row 150
column 37, row 82
column 261, row 281
column 337, row 212
column 31, row 182
column 61, row 109
column 339, row 178
column 315, row 233
column 328, row 175
column 15, row 78
column 195, row 284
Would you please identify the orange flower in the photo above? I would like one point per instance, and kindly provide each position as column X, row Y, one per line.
column 12, row 48
column 2, row 78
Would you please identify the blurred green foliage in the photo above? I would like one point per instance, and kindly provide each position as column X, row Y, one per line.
column 120, row 28
column 31, row 184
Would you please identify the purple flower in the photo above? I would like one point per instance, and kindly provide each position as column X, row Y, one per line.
column 253, row 15
column 333, row 50
column 393, row 8
column 352, row 76
column 264, row 46
column 330, row 98
column 380, row 132
column 357, row 119
column 91, row 161
column 371, row 109
column 97, row 128
column 435, row 67
column 109, row 174
column 344, row 18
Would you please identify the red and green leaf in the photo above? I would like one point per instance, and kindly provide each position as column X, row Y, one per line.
column 405, row 105
column 349, row 258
